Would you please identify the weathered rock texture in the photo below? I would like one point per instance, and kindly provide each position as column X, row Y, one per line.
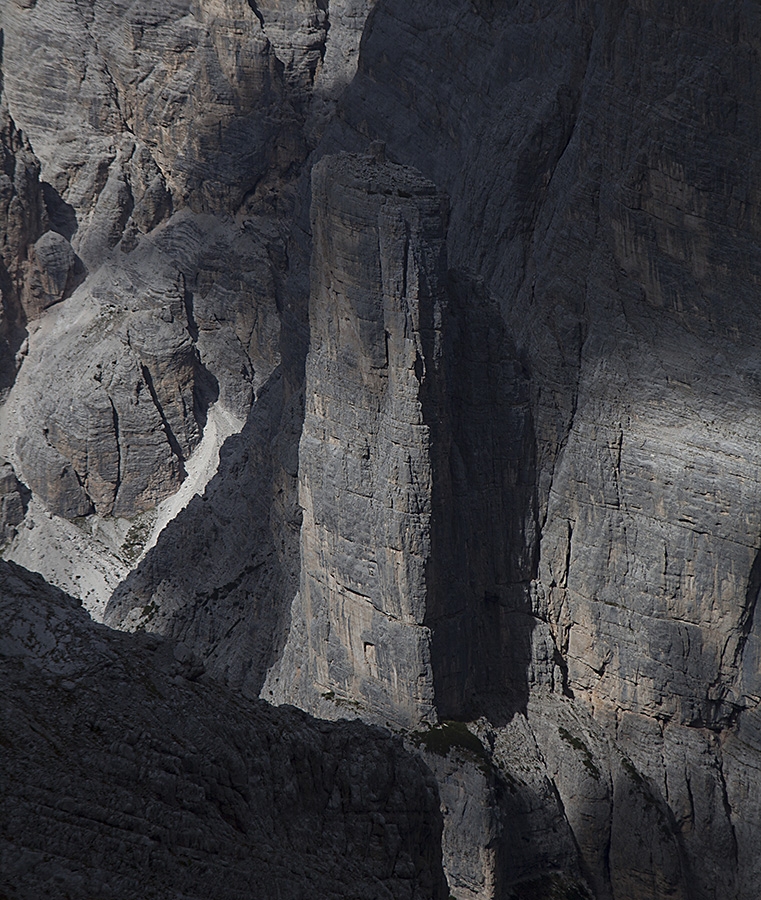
column 377, row 292
column 243, row 537
column 604, row 188
column 126, row 772
column 136, row 346
column 521, row 433
column 22, row 220
column 14, row 498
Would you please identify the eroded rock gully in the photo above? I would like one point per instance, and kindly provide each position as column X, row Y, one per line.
column 483, row 287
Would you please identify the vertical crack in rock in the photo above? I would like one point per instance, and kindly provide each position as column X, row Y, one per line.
column 170, row 435
column 727, row 807
column 256, row 11
column 749, row 607
column 485, row 526
column 118, row 440
column 187, row 297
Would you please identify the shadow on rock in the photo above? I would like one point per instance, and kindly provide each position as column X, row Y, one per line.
column 484, row 514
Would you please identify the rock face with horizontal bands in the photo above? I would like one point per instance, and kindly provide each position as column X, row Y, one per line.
column 22, row 221
column 365, row 481
column 530, row 497
column 123, row 742
column 14, row 499
column 605, row 189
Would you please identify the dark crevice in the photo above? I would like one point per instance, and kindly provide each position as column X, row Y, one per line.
column 61, row 215
column 749, row 607
column 189, row 313
column 255, row 10
column 324, row 5
column 205, row 391
column 727, row 810
column 483, row 540
column 170, row 435
column 117, row 437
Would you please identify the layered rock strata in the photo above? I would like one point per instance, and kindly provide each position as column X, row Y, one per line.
column 126, row 771
column 615, row 224
column 22, row 221
column 365, row 477
column 14, row 499
column 193, row 105
column 578, row 562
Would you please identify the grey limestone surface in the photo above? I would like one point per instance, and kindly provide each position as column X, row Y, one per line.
column 482, row 278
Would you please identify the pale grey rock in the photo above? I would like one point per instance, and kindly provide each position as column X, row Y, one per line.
column 105, row 431
column 195, row 85
column 113, row 395
column 589, row 171
column 470, row 809
column 587, row 506
column 14, row 498
column 547, row 806
column 187, row 317
column 242, row 535
column 378, row 289
column 22, row 221
column 52, row 273
column 627, row 836
column 71, row 555
column 298, row 32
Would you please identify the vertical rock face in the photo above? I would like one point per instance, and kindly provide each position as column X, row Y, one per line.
column 524, row 491
column 14, row 498
column 22, row 221
column 190, row 105
column 365, row 476
column 174, row 315
column 484, row 514
column 605, row 189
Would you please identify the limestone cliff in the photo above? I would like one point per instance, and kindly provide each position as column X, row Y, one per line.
column 365, row 467
column 499, row 473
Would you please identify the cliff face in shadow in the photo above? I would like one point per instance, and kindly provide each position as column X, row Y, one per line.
column 126, row 771
column 501, row 461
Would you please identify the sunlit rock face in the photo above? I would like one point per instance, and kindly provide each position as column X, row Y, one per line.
column 500, row 381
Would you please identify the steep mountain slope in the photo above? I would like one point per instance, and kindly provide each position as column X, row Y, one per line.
column 127, row 773
column 499, row 373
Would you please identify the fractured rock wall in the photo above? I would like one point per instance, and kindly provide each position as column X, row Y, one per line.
column 548, row 516
column 365, row 480
column 126, row 772
column 604, row 189
column 22, row 221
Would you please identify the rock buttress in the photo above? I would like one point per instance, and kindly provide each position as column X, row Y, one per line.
column 358, row 638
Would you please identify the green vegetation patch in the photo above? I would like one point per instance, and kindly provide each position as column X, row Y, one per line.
column 635, row 776
column 341, row 701
column 150, row 611
column 135, row 540
column 586, row 757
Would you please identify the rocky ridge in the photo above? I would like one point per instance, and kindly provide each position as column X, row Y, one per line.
column 573, row 568
column 126, row 771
